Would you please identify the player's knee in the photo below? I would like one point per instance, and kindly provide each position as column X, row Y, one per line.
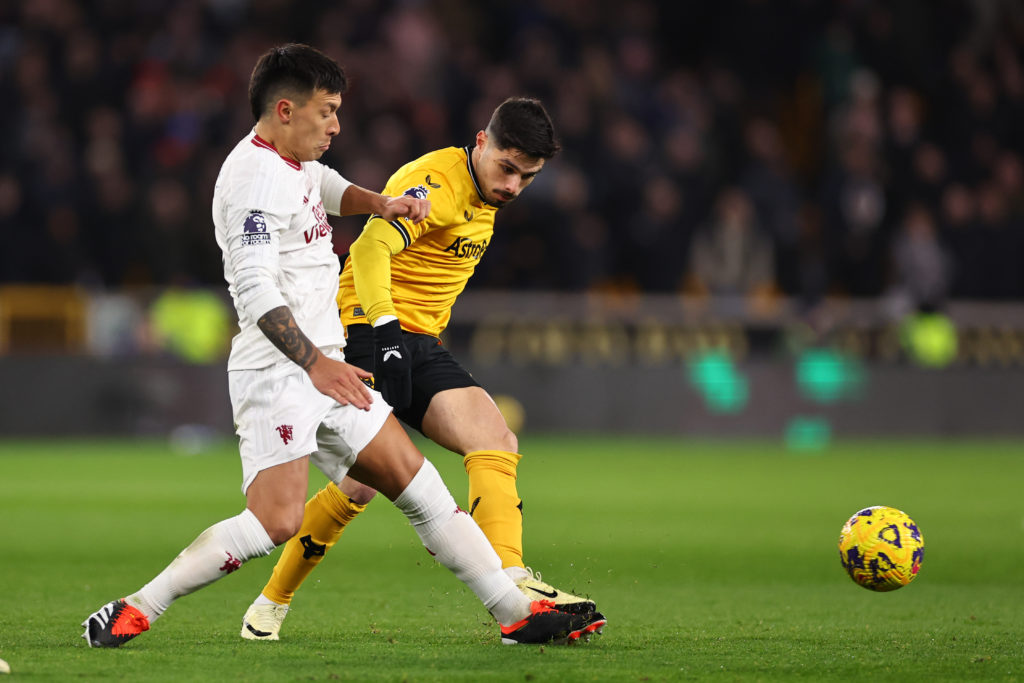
column 358, row 493
column 280, row 533
column 282, row 526
column 508, row 441
column 502, row 439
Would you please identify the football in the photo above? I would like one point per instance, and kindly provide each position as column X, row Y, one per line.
column 881, row 548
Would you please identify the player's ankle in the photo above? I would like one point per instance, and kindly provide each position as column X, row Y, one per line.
column 262, row 599
column 516, row 573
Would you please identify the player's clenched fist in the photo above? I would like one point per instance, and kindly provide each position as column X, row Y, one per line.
column 405, row 206
column 392, row 366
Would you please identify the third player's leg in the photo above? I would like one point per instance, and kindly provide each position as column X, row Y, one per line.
column 465, row 420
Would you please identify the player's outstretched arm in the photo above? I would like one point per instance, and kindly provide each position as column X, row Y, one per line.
column 340, row 381
column 358, row 200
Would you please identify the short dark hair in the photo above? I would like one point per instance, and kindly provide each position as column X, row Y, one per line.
column 293, row 71
column 522, row 123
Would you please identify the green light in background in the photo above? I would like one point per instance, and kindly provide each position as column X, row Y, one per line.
column 808, row 433
column 723, row 387
column 729, row 396
column 930, row 339
column 826, row 376
column 710, row 367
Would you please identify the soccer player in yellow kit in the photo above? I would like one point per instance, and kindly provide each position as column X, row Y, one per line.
column 396, row 293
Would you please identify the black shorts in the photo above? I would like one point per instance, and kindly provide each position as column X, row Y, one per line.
column 434, row 368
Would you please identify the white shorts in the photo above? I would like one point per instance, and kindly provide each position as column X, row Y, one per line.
column 280, row 416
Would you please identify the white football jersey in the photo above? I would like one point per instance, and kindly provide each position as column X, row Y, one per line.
column 271, row 226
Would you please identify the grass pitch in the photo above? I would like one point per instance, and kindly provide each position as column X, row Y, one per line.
column 712, row 561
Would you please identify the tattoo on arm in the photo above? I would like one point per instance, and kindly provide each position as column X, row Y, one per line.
column 279, row 325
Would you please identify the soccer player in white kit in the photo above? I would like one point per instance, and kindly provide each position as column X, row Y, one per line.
column 293, row 397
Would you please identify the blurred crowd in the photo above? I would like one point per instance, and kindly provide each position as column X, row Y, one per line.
column 744, row 147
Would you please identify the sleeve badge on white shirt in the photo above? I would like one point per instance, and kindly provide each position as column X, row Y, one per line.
column 254, row 230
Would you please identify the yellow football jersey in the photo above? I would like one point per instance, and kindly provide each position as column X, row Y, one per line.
column 431, row 261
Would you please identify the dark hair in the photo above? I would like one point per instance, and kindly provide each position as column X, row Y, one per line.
column 293, row 71
column 522, row 123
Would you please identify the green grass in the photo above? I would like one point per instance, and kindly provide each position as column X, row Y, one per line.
column 712, row 561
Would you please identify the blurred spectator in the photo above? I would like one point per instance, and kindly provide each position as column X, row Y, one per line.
column 731, row 256
column 854, row 211
column 921, row 276
column 962, row 231
column 832, row 119
column 1002, row 266
column 656, row 245
column 582, row 261
column 768, row 181
column 18, row 226
column 1008, row 176
column 903, row 142
column 926, row 177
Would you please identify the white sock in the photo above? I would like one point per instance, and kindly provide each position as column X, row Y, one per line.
column 517, row 574
column 262, row 599
column 453, row 538
column 216, row 552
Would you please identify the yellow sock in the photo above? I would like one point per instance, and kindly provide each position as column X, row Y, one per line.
column 494, row 502
column 326, row 516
